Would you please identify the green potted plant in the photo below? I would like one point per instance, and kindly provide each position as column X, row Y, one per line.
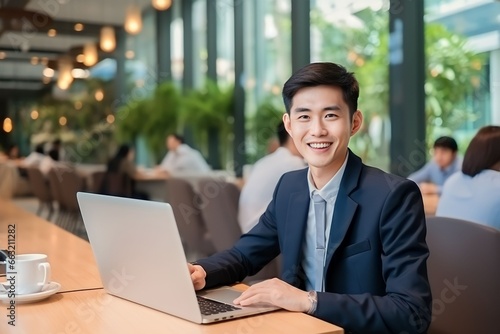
column 151, row 118
column 207, row 112
column 262, row 126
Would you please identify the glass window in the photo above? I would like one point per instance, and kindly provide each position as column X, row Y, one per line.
column 199, row 42
column 140, row 59
column 267, row 66
column 462, row 45
column 177, row 43
column 225, row 42
column 355, row 35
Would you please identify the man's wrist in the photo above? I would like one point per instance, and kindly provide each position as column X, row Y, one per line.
column 313, row 299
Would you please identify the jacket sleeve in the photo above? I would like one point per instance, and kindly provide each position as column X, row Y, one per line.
column 406, row 305
column 251, row 253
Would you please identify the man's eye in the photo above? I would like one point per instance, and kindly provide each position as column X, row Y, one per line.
column 303, row 117
column 331, row 116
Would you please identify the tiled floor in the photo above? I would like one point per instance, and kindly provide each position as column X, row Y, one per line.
column 27, row 203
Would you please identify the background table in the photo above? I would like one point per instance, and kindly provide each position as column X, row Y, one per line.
column 431, row 202
column 70, row 257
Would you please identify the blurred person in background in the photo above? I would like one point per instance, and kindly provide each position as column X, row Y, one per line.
column 121, row 168
column 473, row 194
column 35, row 158
column 181, row 158
column 123, row 161
column 445, row 162
column 13, row 152
column 56, row 151
column 258, row 190
column 272, row 145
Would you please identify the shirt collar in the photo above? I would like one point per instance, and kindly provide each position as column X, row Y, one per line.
column 330, row 190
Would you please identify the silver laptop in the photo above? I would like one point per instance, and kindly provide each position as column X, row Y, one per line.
column 140, row 257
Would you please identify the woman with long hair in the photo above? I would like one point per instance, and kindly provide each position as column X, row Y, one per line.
column 474, row 193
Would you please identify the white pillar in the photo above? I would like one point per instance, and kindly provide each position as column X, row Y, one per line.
column 495, row 86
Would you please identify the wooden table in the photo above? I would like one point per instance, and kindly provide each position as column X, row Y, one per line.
column 71, row 258
column 98, row 312
column 11, row 182
column 430, row 203
column 84, row 307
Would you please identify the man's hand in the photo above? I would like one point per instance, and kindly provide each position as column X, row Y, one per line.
column 198, row 275
column 159, row 171
column 277, row 293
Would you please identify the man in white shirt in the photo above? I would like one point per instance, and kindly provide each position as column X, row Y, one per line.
column 259, row 187
column 181, row 158
column 34, row 158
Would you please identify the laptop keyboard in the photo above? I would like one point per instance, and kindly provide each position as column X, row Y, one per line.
column 209, row 307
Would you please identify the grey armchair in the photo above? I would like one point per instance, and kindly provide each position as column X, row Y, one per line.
column 464, row 274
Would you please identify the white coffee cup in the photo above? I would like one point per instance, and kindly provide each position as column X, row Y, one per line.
column 29, row 273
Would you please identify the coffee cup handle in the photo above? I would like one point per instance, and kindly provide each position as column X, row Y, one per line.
column 46, row 273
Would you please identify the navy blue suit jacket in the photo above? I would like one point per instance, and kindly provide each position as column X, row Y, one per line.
column 376, row 274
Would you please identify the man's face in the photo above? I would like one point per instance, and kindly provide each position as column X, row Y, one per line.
column 172, row 143
column 320, row 127
column 443, row 157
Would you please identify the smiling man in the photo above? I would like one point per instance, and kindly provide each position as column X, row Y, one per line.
column 352, row 237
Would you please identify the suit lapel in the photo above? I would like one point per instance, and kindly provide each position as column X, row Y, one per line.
column 345, row 206
column 298, row 208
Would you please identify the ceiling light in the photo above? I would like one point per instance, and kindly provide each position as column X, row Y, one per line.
column 2, row 55
column 108, row 39
column 78, row 27
column 78, row 105
column 79, row 73
column 162, row 4
column 90, row 52
column 133, row 20
column 34, row 114
column 65, row 78
column 63, row 120
column 44, row 61
column 52, row 32
column 7, row 125
column 34, row 60
column 80, row 58
column 48, row 72
column 46, row 80
column 99, row 95
column 110, row 119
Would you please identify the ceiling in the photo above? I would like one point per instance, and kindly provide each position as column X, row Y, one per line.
column 24, row 40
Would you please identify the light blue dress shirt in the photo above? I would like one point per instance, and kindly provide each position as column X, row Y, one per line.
column 432, row 173
column 329, row 192
column 475, row 199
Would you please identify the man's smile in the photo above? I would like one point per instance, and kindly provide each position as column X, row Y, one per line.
column 320, row 145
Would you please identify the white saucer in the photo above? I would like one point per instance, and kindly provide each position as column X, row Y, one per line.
column 47, row 291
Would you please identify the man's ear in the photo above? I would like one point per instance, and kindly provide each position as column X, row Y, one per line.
column 286, row 122
column 357, row 121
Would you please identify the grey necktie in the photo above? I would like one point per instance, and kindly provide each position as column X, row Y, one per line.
column 320, row 215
